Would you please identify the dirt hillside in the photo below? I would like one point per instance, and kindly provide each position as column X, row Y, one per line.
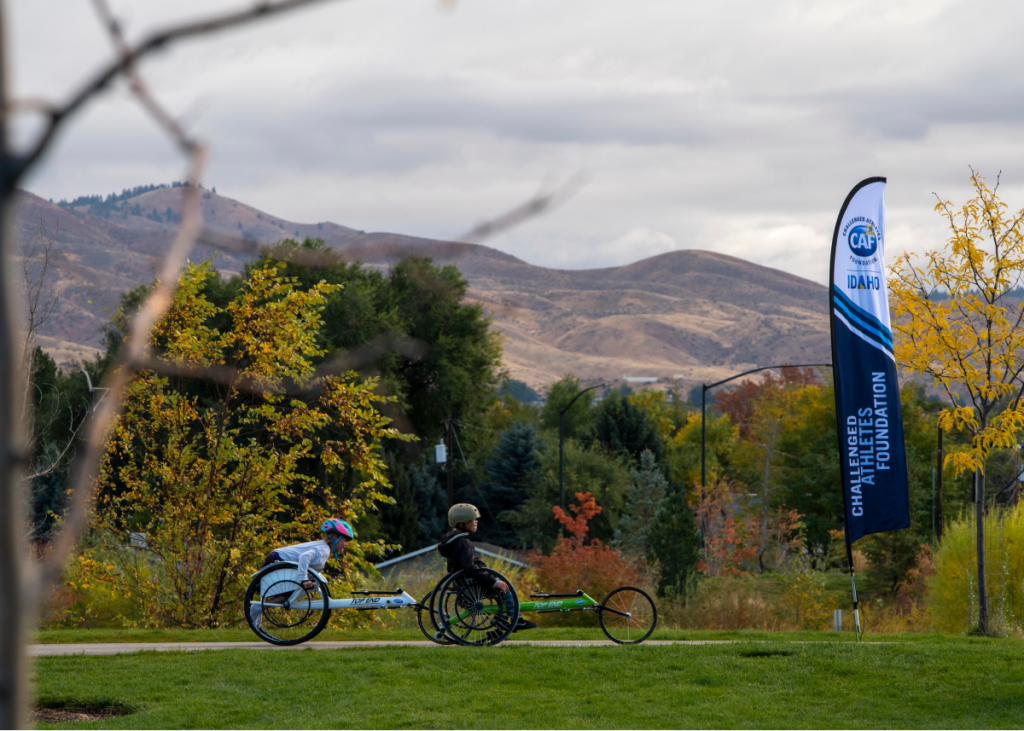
column 690, row 315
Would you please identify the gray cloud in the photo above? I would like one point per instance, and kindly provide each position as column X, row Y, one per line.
column 735, row 126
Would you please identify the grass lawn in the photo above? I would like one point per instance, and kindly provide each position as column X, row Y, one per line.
column 953, row 683
column 75, row 636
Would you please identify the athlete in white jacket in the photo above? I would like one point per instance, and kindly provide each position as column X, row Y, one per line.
column 313, row 555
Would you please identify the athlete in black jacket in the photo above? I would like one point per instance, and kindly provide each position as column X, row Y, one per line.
column 461, row 554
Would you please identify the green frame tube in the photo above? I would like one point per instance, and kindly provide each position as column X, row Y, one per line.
column 566, row 604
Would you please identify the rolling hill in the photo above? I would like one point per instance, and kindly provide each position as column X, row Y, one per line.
column 691, row 315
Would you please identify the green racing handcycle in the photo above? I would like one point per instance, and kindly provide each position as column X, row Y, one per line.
column 462, row 611
column 457, row 611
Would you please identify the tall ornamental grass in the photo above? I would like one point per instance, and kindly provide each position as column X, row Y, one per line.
column 954, row 586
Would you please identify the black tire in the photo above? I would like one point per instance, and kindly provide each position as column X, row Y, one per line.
column 426, row 620
column 291, row 615
column 632, row 629
column 473, row 614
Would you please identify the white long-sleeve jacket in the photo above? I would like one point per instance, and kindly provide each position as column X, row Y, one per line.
column 313, row 555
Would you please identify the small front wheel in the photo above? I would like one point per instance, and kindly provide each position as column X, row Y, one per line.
column 280, row 611
column 428, row 623
column 628, row 615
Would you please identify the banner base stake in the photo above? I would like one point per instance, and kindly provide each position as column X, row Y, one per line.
column 856, row 608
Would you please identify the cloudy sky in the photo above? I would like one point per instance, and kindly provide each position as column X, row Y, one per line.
column 733, row 126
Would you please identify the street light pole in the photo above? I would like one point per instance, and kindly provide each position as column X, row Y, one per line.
column 703, row 399
column 561, row 440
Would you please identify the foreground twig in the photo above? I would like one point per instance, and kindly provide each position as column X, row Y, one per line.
column 536, row 206
column 134, row 356
column 352, row 359
column 59, row 114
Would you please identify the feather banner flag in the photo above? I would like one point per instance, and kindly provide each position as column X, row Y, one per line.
column 874, row 462
column 871, row 449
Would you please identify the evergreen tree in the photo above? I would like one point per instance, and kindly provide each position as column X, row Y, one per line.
column 596, row 471
column 676, row 546
column 646, row 496
column 431, row 502
column 624, row 428
column 60, row 403
column 513, row 465
column 401, row 520
column 518, row 390
column 47, row 494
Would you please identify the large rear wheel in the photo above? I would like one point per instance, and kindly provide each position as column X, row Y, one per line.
column 628, row 615
column 280, row 611
column 475, row 614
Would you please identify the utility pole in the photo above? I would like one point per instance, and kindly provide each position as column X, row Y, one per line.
column 938, row 491
column 561, row 439
column 450, row 462
column 703, row 441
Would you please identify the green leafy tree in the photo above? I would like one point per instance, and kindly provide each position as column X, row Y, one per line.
column 809, row 471
column 684, row 449
column 664, row 408
column 646, row 496
column 461, row 368
column 456, row 369
column 450, row 365
column 213, row 486
column 579, row 419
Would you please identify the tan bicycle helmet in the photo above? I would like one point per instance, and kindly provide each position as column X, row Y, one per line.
column 462, row 513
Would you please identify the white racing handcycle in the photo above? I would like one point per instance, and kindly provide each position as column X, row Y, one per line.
column 282, row 612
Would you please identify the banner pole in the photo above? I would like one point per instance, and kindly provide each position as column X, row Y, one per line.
column 853, row 587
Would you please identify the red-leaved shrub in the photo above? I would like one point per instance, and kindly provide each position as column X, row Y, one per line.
column 575, row 564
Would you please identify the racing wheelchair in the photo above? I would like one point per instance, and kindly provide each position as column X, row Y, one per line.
column 290, row 614
column 462, row 611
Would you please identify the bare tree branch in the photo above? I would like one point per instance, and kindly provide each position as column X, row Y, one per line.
column 138, row 87
column 539, row 204
column 38, row 259
column 356, row 358
column 58, row 115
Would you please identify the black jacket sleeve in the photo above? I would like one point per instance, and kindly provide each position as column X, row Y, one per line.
column 472, row 565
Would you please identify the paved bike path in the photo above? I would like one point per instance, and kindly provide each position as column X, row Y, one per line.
column 118, row 648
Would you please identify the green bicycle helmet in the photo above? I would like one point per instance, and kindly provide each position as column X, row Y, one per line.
column 462, row 513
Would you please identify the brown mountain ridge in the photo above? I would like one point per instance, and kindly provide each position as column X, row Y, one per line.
column 694, row 316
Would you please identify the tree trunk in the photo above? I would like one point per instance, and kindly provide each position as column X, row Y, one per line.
column 979, row 515
column 13, row 550
column 764, row 510
column 938, row 495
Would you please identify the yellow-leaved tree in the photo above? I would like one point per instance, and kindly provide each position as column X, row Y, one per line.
column 959, row 321
column 233, row 445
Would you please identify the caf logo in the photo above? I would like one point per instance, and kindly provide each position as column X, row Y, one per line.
column 863, row 239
